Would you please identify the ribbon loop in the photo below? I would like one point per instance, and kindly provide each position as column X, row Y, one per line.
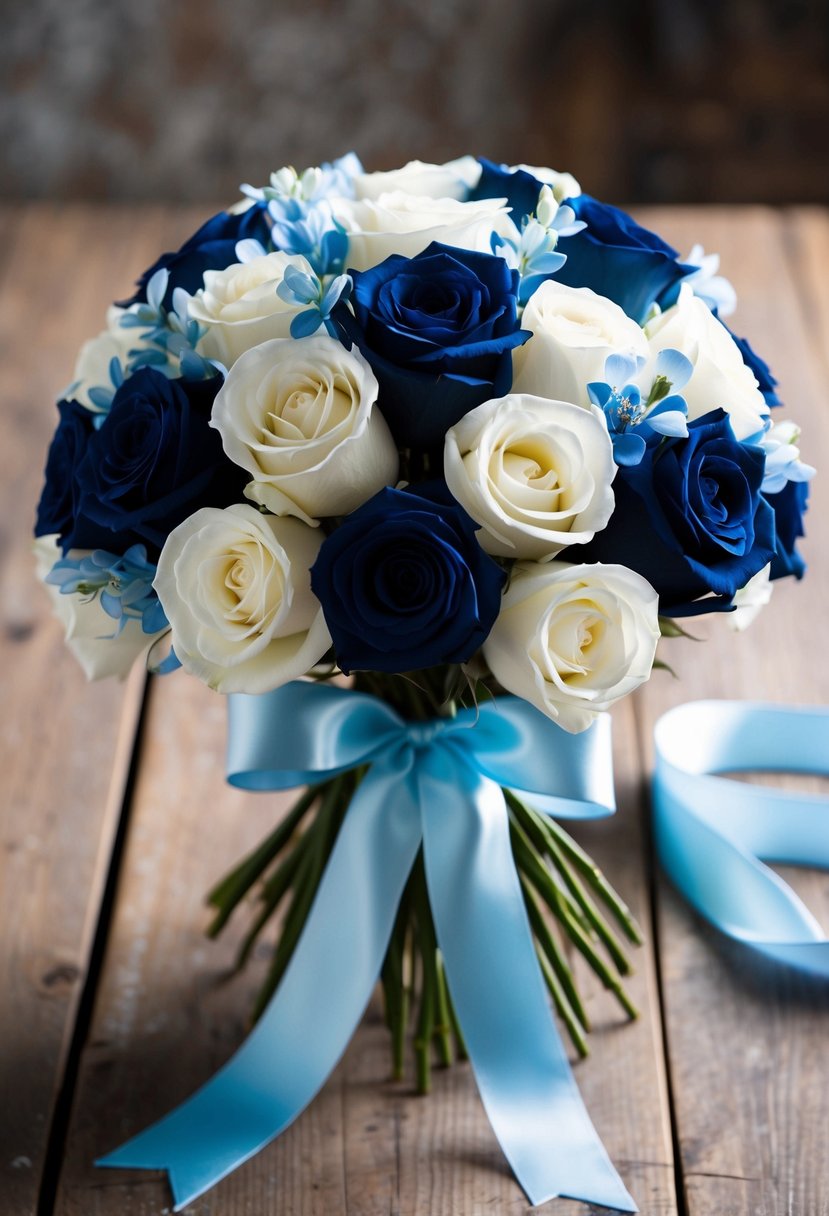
column 436, row 785
column 712, row 833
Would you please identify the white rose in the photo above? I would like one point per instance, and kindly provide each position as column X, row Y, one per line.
column 239, row 307
column 571, row 640
column 299, row 415
column 574, row 330
column 407, row 223
column 750, row 600
column 720, row 378
column 563, row 185
column 534, row 473
column 91, row 635
column 236, row 588
column 451, row 180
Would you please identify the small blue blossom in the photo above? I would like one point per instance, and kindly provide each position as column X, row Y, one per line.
column 310, row 186
column 165, row 665
column 705, row 281
column 534, row 255
column 321, row 297
column 631, row 422
column 783, row 463
column 123, row 584
column 302, row 221
column 171, row 336
column 101, row 395
column 310, row 231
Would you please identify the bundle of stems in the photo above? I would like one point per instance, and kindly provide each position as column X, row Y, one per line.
column 570, row 905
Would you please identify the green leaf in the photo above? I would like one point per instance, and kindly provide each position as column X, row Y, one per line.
column 669, row 629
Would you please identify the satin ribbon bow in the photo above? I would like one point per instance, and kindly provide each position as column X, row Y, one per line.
column 711, row 833
column 437, row 785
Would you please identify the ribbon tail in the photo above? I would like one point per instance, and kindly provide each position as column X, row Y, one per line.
column 520, row 1064
column 723, row 880
column 309, row 1022
column 711, row 833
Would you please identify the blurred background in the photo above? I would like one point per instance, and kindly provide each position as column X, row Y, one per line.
column 644, row 100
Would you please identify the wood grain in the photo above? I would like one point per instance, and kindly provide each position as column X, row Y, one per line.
column 747, row 1042
column 64, row 746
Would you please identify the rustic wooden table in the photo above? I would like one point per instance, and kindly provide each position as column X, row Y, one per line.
column 116, row 820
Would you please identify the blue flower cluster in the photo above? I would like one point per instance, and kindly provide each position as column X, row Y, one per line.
column 412, row 577
column 124, row 585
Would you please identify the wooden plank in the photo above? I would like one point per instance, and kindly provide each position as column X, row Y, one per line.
column 165, row 1020
column 748, row 1041
column 64, row 746
column 806, row 239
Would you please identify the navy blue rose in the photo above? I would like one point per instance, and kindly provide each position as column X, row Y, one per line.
column 691, row 519
column 438, row 330
column 154, row 460
column 789, row 506
column 213, row 247
column 58, row 501
column 404, row 584
column 520, row 188
column 620, row 259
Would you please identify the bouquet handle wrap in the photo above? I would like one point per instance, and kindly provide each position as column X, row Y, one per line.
column 711, row 832
column 435, row 784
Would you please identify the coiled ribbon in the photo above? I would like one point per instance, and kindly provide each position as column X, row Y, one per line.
column 437, row 785
column 712, row 833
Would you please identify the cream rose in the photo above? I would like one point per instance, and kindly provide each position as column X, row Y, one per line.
column 236, row 588
column 535, row 474
column 571, row 640
column 238, row 307
column 451, row 180
column 407, row 223
column 720, row 379
column 574, row 330
column 300, row 416
column 101, row 648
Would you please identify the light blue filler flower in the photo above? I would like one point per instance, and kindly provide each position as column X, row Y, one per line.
column 632, row 422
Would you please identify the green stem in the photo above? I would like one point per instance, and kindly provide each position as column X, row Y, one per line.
column 411, row 697
column 563, row 1007
column 566, row 908
column 229, row 892
column 396, row 989
column 273, row 893
column 530, row 821
column 585, row 863
column 308, row 873
column 443, row 1028
column 460, row 1042
column 551, row 951
column 538, row 839
column 556, row 901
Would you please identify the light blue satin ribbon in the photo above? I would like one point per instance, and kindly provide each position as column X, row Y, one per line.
column 435, row 784
column 711, row 832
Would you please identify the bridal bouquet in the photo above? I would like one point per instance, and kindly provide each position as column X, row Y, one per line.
column 459, row 432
